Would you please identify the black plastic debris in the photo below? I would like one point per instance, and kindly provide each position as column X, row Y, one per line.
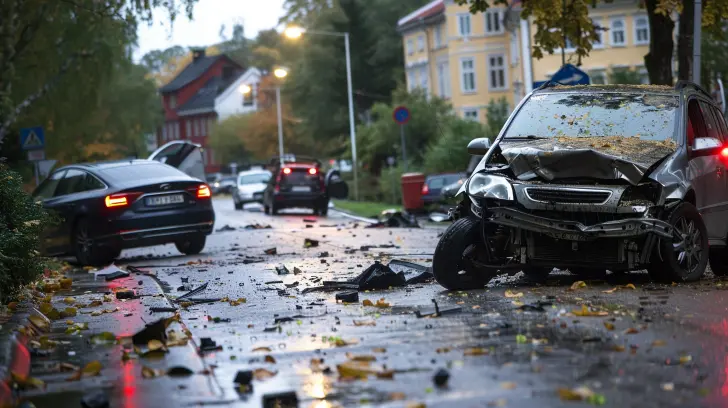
column 536, row 307
column 185, row 280
column 415, row 273
column 273, row 282
column 282, row 270
column 310, row 243
column 179, row 371
column 191, row 293
column 208, row 344
column 441, row 377
column 379, row 276
column 309, row 226
column 282, row 320
column 116, row 275
column 162, row 309
column 395, row 219
column 125, row 294
column 281, row 400
column 437, row 311
column 95, row 399
column 348, row 297
column 309, row 220
column 291, row 285
column 257, row 226
column 225, row 228
column 297, row 270
column 251, row 259
column 152, row 331
column 243, row 377
column 324, row 254
column 271, row 251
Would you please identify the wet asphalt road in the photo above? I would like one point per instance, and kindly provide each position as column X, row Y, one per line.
column 655, row 346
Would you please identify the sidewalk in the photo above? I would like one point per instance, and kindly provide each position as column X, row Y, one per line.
column 91, row 353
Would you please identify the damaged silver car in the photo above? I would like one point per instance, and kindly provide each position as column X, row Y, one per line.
column 595, row 178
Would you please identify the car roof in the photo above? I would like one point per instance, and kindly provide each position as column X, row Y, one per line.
column 626, row 88
column 108, row 164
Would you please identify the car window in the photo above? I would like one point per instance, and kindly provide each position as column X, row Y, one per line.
column 720, row 121
column 71, row 183
column 47, row 188
column 254, row 178
column 90, row 183
column 596, row 114
column 696, row 121
column 138, row 171
column 437, row 182
column 711, row 124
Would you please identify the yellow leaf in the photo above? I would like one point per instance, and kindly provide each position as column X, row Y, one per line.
column 66, row 283
column 93, row 368
column 365, row 323
column 609, row 326
column 631, row 330
column 629, row 286
column 362, row 357
column 261, row 374
column 343, row 343
column 69, row 312
column 508, row 385
column 476, row 351
column 69, row 300
column 26, row 381
column 659, row 343
column 379, row 350
column 269, row 359
column 367, row 302
column 610, row 290
column 75, row 376
column 355, row 369
column 148, row 372
column 685, row 359
column 578, row 285
column 618, row 348
column 585, row 312
column 39, row 322
column 263, row 349
column 155, row 345
column 510, row 294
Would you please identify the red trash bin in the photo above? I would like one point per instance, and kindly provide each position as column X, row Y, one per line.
column 412, row 191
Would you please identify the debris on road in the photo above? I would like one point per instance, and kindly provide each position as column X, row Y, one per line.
column 284, row 399
column 95, row 399
column 324, row 254
column 243, row 379
column 441, row 377
column 282, row 270
column 191, row 293
column 225, row 228
column 348, row 297
column 162, row 309
column 208, row 344
column 379, row 276
column 395, row 219
column 424, row 273
column 436, row 311
column 271, row 251
column 309, row 220
column 257, row 226
column 153, row 331
column 125, row 294
column 310, row 243
column 252, row 259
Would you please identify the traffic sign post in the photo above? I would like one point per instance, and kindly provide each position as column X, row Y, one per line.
column 32, row 140
column 401, row 115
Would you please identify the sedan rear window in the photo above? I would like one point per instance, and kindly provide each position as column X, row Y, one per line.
column 254, row 178
column 141, row 171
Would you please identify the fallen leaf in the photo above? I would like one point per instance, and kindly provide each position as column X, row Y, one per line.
column 443, row 350
column 578, row 285
column 379, row 350
column 508, row 385
column 26, row 381
column 75, row 376
column 609, row 326
column 416, row 405
column 659, row 343
column 264, row 349
column 343, row 343
column 13, row 305
column 103, row 338
column 270, row 359
column 66, row 283
column 585, row 312
column 155, row 345
column 610, row 290
column 365, row 323
column 475, row 351
column 510, row 294
column 685, row 359
column 69, row 312
column 355, row 369
column 95, row 303
column 362, row 357
column 39, row 322
column 69, row 300
column 521, row 339
column 67, row 367
column 93, row 368
column 261, row 374
column 397, row 396
column 631, row 330
column 148, row 372
column 367, row 302
column 385, row 374
column 629, row 286
column 476, row 307
column 618, row 348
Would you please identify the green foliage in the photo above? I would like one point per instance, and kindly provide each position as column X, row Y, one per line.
column 21, row 223
column 625, row 77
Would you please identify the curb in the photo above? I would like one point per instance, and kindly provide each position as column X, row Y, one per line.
column 16, row 355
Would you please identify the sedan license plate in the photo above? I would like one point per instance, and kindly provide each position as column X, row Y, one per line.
column 165, row 200
column 301, row 189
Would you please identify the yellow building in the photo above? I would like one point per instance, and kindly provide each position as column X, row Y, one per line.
column 472, row 59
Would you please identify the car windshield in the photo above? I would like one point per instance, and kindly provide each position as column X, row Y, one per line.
column 595, row 114
column 254, row 178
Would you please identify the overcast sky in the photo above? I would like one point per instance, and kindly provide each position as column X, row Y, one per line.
column 204, row 28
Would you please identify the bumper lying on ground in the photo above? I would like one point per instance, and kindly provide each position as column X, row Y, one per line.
column 576, row 231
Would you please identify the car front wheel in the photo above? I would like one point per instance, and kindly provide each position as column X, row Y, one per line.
column 450, row 265
column 684, row 257
column 192, row 245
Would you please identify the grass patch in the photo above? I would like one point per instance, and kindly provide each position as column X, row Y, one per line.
column 364, row 208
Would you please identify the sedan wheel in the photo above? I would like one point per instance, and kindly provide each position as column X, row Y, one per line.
column 685, row 257
column 87, row 251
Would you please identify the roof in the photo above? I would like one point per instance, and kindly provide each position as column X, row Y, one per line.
column 191, row 72
column 428, row 10
column 204, row 99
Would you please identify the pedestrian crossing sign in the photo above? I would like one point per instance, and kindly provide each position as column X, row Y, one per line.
column 32, row 138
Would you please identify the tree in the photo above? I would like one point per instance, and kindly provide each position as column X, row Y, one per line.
column 625, row 76
column 64, row 30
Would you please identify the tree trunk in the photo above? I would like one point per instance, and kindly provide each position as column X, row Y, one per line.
column 658, row 60
column 686, row 29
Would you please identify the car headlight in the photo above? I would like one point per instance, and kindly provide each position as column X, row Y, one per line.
column 486, row 186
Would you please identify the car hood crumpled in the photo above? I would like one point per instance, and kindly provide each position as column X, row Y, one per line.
column 606, row 158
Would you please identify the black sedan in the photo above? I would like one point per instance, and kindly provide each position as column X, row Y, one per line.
column 109, row 206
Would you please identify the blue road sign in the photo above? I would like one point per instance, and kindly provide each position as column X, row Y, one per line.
column 568, row 75
column 401, row 115
column 32, row 138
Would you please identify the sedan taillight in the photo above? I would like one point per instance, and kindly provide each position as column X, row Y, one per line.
column 120, row 199
column 203, row 191
column 425, row 189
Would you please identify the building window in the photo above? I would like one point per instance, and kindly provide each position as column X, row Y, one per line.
column 410, row 80
column 641, row 30
column 467, row 74
column 203, row 127
column 196, row 125
column 248, row 98
column 410, row 47
column 497, row 72
column 164, row 132
column 470, row 114
column 172, row 101
column 443, row 79
column 598, row 76
column 493, row 23
column 438, row 36
column 617, row 31
column 599, row 42
column 424, row 79
column 188, row 129
column 210, row 124
column 176, row 126
column 464, row 24
column 420, row 43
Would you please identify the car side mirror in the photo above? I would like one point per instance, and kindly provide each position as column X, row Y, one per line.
column 708, row 146
column 479, row 146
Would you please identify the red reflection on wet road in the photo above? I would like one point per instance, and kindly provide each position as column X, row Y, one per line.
column 129, row 386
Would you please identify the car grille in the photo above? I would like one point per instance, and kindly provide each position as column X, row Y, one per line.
column 601, row 251
column 568, row 196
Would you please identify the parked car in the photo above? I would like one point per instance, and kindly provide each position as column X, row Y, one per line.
column 250, row 187
column 434, row 184
column 109, row 206
column 595, row 178
column 224, row 186
column 298, row 182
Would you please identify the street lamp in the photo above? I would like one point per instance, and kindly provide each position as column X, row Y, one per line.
column 295, row 32
column 246, row 89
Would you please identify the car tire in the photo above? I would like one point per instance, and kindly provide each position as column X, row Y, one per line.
column 537, row 274
column 665, row 266
column 274, row 209
column 718, row 260
column 192, row 245
column 238, row 206
column 323, row 211
column 448, row 261
column 86, row 251
column 266, row 209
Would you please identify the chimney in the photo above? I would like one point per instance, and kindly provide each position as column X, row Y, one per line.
column 197, row 53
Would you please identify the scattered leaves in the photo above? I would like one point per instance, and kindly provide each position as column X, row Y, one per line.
column 263, row 349
column 365, row 323
column 609, row 326
column 261, row 374
column 521, row 339
column 510, row 294
column 381, row 303
column 631, row 330
column 585, row 312
column 69, row 300
column 103, row 338
column 581, row 394
column 92, row 369
column 26, row 382
column 148, row 372
column 578, row 285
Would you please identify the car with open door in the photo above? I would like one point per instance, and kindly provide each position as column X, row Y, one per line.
column 183, row 155
column 106, row 207
column 595, row 178
column 299, row 182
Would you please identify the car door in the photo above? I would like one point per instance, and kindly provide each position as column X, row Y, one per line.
column 65, row 203
column 185, row 156
column 722, row 184
column 708, row 172
column 43, row 193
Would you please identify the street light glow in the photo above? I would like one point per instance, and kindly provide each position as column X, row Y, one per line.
column 280, row 72
column 245, row 89
column 293, row 32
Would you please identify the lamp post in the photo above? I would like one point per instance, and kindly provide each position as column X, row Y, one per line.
column 279, row 73
column 296, row 32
